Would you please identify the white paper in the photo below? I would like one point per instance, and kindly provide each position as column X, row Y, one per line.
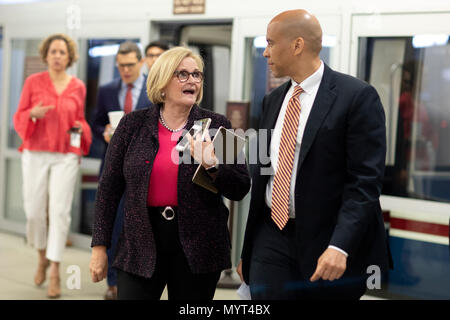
column 75, row 139
column 244, row 292
column 114, row 118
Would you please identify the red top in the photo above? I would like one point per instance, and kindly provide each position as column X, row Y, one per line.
column 50, row 133
column 162, row 188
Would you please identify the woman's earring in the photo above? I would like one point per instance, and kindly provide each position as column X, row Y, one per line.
column 163, row 95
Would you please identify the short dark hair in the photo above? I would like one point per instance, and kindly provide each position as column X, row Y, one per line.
column 158, row 44
column 127, row 47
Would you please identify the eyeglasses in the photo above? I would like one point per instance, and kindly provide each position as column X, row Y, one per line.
column 183, row 75
column 151, row 55
column 126, row 65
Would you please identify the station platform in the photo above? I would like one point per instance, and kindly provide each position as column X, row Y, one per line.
column 18, row 263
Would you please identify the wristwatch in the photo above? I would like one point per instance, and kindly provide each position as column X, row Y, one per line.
column 213, row 169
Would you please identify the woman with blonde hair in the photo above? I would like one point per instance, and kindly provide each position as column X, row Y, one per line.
column 50, row 120
column 175, row 232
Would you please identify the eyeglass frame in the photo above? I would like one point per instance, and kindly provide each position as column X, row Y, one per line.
column 177, row 74
column 126, row 65
column 151, row 55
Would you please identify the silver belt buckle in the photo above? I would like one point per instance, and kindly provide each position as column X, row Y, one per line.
column 168, row 213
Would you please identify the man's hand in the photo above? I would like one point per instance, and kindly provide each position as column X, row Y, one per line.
column 330, row 266
column 39, row 111
column 239, row 270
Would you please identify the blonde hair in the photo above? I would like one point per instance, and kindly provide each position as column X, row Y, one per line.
column 163, row 69
column 71, row 47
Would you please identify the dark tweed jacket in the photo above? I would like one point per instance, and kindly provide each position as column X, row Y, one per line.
column 202, row 216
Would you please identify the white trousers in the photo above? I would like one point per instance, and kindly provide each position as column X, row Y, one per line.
column 48, row 186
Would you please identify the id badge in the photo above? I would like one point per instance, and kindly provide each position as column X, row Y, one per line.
column 75, row 139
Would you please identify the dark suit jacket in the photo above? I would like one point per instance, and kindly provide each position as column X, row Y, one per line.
column 108, row 100
column 202, row 216
column 339, row 177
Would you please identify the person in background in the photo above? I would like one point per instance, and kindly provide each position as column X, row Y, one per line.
column 175, row 232
column 126, row 93
column 50, row 121
column 315, row 222
column 152, row 51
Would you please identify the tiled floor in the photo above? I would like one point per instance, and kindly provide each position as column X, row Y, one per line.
column 18, row 264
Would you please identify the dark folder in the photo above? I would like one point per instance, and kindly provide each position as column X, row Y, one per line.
column 227, row 147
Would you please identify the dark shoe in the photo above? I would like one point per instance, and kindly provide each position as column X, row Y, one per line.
column 111, row 293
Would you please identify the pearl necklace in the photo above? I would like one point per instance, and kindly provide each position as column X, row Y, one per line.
column 166, row 126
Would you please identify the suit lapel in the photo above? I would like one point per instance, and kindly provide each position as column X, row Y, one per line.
column 273, row 110
column 143, row 101
column 322, row 104
column 115, row 97
column 151, row 125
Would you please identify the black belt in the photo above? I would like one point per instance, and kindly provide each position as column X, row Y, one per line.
column 166, row 212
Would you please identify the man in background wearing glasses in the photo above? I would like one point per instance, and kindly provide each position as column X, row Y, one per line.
column 127, row 93
column 152, row 51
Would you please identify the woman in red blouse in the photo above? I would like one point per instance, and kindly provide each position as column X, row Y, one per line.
column 50, row 120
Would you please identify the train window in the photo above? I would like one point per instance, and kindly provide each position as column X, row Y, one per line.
column 25, row 60
column 258, row 79
column 96, row 67
column 412, row 76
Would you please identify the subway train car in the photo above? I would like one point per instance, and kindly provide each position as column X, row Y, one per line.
column 401, row 47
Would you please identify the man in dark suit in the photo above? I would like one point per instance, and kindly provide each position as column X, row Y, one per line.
column 115, row 95
column 126, row 93
column 315, row 223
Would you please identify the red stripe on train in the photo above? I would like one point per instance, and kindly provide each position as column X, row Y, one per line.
column 89, row 179
column 420, row 226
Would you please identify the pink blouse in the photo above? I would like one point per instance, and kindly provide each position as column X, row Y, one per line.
column 51, row 132
column 162, row 188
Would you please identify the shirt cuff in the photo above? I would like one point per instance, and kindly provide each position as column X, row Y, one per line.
column 338, row 249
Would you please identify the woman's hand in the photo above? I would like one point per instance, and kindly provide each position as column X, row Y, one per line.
column 202, row 151
column 98, row 266
column 79, row 125
column 39, row 111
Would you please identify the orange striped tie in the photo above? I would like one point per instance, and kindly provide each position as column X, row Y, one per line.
column 282, row 180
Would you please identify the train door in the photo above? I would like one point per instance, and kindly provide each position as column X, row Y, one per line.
column 212, row 40
column 20, row 58
column 406, row 57
column 97, row 45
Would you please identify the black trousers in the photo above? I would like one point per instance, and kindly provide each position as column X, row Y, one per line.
column 171, row 269
column 275, row 272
